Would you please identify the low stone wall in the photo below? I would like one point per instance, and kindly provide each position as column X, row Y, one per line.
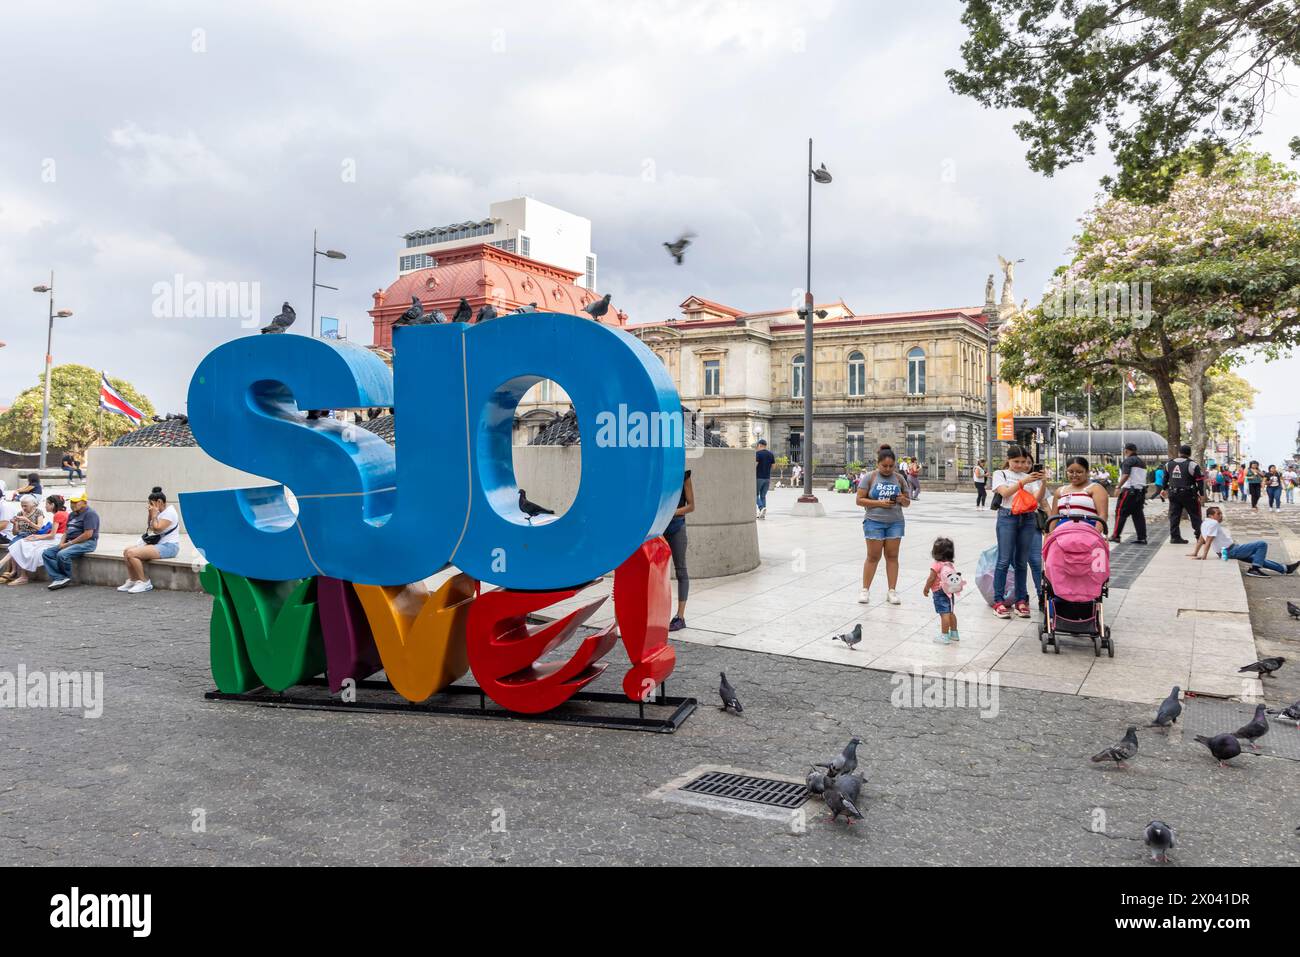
column 119, row 479
column 721, row 536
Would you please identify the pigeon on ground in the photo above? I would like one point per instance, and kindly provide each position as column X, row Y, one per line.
column 1225, row 747
column 1169, row 711
column 678, row 246
column 1291, row 711
column 1124, row 751
column 599, row 307
column 487, row 312
column 531, row 307
column 463, row 311
column 817, row 781
column 839, row 801
column 845, row 762
column 1159, row 837
column 1265, row 666
column 728, row 694
column 414, row 315
column 851, row 638
column 1293, row 609
column 281, row 322
column 1256, row 728
column 531, row 509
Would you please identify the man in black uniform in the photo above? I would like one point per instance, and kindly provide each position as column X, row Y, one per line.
column 1132, row 495
column 1186, row 485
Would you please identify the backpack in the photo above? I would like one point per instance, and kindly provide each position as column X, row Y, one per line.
column 950, row 581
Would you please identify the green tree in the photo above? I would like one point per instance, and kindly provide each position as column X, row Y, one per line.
column 1159, row 75
column 75, row 420
column 1227, row 398
column 1221, row 258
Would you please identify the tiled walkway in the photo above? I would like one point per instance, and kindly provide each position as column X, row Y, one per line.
column 1182, row 622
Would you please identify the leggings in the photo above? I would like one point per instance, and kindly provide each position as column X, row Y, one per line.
column 979, row 494
column 677, row 542
column 1254, row 494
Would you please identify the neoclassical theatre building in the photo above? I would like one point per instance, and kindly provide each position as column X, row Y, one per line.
column 914, row 380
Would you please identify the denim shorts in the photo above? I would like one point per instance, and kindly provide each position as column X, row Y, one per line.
column 168, row 549
column 942, row 601
column 875, row 531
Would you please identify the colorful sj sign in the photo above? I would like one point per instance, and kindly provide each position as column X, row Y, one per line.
column 362, row 524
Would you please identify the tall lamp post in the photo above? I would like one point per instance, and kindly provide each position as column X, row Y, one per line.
column 49, row 362
column 820, row 175
column 989, row 399
column 328, row 254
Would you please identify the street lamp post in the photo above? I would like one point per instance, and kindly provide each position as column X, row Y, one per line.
column 49, row 361
column 989, row 398
column 328, row 254
column 820, row 175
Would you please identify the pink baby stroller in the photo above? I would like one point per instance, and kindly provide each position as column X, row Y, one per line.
column 1076, row 571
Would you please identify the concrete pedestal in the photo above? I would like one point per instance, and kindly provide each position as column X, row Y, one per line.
column 812, row 509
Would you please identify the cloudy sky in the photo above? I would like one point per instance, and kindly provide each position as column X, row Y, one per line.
column 145, row 141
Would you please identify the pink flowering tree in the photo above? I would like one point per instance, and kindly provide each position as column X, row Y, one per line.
column 1197, row 282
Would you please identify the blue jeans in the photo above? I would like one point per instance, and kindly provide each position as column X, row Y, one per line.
column 58, row 561
column 762, row 492
column 1255, row 553
column 1019, row 544
column 1274, row 497
column 71, row 472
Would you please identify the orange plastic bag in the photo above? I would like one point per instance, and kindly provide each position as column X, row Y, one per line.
column 1023, row 502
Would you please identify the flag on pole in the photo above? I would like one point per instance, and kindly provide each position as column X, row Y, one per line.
column 1130, row 381
column 113, row 401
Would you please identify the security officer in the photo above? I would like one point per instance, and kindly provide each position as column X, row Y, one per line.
column 1186, row 486
column 1132, row 495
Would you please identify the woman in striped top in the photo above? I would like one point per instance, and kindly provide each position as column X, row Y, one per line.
column 1082, row 497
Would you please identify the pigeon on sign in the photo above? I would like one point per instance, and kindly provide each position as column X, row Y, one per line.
column 281, row 322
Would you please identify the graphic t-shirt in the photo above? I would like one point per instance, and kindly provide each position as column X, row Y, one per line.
column 883, row 487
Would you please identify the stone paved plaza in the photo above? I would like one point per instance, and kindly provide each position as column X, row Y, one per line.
column 1181, row 622
column 944, row 785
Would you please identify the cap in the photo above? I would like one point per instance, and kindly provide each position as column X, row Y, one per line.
column 78, row 498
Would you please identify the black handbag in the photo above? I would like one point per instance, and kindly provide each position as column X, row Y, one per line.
column 152, row 538
column 995, row 502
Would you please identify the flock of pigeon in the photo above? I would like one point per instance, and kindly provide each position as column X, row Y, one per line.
column 841, row 789
column 1159, row 836
column 416, row 316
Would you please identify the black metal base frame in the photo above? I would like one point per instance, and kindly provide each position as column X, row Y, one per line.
column 681, row 708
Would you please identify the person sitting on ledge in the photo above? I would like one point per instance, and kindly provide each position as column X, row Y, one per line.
column 162, row 539
column 25, row 555
column 81, row 538
column 1214, row 537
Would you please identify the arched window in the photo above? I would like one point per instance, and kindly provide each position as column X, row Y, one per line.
column 916, row 372
column 796, row 377
column 857, row 374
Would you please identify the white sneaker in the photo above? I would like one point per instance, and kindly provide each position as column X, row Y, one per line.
column 864, row 596
column 140, row 587
column 893, row 598
column 126, row 585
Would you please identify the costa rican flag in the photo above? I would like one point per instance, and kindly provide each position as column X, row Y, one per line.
column 113, row 401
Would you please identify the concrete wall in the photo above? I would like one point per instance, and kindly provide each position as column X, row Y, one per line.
column 722, row 538
column 118, row 481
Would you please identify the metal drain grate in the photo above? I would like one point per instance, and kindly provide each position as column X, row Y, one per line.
column 1209, row 717
column 754, row 790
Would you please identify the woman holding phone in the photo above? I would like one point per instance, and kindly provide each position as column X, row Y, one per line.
column 884, row 495
column 1020, row 543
